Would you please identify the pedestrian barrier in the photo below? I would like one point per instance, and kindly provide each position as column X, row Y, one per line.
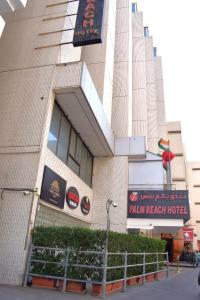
column 66, row 269
column 188, row 258
column 183, row 259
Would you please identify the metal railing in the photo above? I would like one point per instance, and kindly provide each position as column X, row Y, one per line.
column 92, row 266
column 188, row 258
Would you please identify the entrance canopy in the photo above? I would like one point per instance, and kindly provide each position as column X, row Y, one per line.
column 157, row 225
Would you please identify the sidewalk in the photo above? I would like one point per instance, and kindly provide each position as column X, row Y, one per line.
column 178, row 286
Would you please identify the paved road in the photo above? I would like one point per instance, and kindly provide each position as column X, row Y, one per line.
column 181, row 286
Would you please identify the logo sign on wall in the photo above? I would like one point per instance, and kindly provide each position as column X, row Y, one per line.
column 160, row 204
column 72, row 198
column 53, row 188
column 188, row 234
column 88, row 29
column 85, row 206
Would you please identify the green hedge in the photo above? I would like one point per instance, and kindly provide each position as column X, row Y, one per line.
column 86, row 239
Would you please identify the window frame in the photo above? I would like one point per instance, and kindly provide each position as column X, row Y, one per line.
column 63, row 115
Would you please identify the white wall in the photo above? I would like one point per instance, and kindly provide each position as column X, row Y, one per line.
column 178, row 164
column 139, row 110
column 110, row 181
column 146, row 174
column 161, row 225
column 122, row 96
column 2, row 24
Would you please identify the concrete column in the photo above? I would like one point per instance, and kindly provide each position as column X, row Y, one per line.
column 110, row 181
column 139, row 111
column 152, row 114
column 122, row 96
column 162, row 126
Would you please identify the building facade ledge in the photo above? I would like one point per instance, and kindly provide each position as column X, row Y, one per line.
column 76, row 94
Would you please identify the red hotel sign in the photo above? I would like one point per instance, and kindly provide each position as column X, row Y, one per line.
column 188, row 234
column 159, row 204
column 88, row 29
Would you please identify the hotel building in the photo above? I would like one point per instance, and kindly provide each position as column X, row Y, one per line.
column 78, row 125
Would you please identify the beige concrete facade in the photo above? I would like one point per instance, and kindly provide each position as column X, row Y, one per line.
column 139, row 115
column 148, row 118
column 122, row 98
column 26, row 77
column 109, row 92
column 31, row 76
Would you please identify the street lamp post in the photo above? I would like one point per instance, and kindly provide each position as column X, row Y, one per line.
column 109, row 202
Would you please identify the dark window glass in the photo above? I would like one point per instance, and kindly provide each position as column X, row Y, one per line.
column 73, row 165
column 54, row 129
column 63, row 141
column 88, row 178
column 68, row 146
column 78, row 150
column 72, row 146
column 83, row 163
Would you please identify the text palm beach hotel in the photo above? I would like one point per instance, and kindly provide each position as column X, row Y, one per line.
column 79, row 122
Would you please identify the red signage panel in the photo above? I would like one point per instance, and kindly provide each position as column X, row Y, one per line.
column 188, row 234
column 72, row 198
column 158, row 204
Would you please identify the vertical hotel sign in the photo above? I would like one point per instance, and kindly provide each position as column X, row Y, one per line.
column 88, row 29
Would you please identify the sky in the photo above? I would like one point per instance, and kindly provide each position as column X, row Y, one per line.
column 175, row 27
